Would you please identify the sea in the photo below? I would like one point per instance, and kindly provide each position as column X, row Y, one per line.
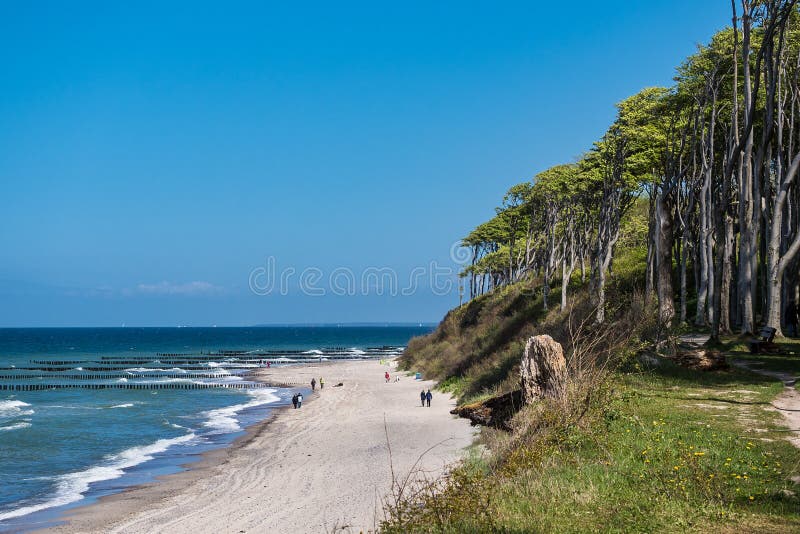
column 86, row 412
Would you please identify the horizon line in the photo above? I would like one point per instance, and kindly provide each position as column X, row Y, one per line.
column 260, row 325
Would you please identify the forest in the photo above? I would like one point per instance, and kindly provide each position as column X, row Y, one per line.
column 710, row 164
column 649, row 265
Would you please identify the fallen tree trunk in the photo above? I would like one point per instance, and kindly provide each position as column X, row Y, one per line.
column 495, row 412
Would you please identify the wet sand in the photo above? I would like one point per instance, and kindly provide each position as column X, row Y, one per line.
column 322, row 468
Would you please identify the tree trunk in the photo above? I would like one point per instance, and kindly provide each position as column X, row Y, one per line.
column 776, row 261
column 684, row 260
column 664, row 239
column 651, row 231
column 543, row 371
column 566, row 272
column 747, row 245
column 705, row 306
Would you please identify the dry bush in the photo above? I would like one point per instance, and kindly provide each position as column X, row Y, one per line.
column 592, row 352
column 540, row 431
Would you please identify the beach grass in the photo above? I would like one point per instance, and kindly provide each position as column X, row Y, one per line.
column 666, row 450
column 640, row 448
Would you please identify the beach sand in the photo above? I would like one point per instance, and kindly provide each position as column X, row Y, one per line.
column 322, row 468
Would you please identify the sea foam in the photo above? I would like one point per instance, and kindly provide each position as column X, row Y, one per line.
column 71, row 486
column 14, row 408
column 223, row 420
column 15, row 426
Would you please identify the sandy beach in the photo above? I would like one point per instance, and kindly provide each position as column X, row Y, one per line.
column 322, row 468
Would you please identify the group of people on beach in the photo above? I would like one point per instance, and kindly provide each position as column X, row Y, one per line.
column 297, row 399
column 425, row 397
column 388, row 377
column 314, row 383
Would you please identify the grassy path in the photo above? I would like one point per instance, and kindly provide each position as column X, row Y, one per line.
column 787, row 403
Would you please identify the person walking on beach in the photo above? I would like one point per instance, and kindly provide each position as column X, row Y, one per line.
column 321, row 383
column 300, row 400
column 387, row 377
column 313, row 384
column 428, row 398
column 294, row 401
column 422, row 397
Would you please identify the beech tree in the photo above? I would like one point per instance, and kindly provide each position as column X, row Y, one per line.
column 716, row 158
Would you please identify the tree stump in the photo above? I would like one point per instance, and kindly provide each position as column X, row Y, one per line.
column 494, row 411
column 544, row 369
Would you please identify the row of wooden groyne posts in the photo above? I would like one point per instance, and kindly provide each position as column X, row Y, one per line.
column 229, row 353
column 235, row 363
column 229, row 358
column 110, row 376
column 152, row 385
column 121, row 367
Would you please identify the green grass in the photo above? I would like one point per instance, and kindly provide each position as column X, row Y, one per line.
column 672, row 451
column 454, row 385
column 478, row 346
column 787, row 360
column 480, row 343
column 664, row 462
column 661, row 450
column 775, row 362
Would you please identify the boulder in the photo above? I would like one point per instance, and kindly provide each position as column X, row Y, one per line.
column 544, row 369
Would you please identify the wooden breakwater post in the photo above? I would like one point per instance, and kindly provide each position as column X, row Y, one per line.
column 148, row 386
column 111, row 376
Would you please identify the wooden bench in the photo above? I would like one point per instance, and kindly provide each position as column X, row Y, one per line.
column 763, row 340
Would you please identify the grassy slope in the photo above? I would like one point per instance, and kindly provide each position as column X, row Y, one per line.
column 476, row 347
column 669, row 454
column 663, row 449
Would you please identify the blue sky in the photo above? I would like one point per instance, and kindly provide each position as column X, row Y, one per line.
column 154, row 157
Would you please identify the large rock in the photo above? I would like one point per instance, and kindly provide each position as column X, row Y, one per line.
column 544, row 369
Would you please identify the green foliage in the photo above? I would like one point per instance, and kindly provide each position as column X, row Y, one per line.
column 666, row 449
column 660, row 452
column 476, row 346
column 634, row 227
column 560, row 183
column 633, row 145
column 479, row 343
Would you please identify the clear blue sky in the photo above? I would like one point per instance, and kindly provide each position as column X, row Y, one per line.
column 152, row 155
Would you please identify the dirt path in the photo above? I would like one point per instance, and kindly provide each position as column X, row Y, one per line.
column 787, row 403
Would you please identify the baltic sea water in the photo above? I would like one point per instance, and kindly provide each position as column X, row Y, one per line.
column 65, row 447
